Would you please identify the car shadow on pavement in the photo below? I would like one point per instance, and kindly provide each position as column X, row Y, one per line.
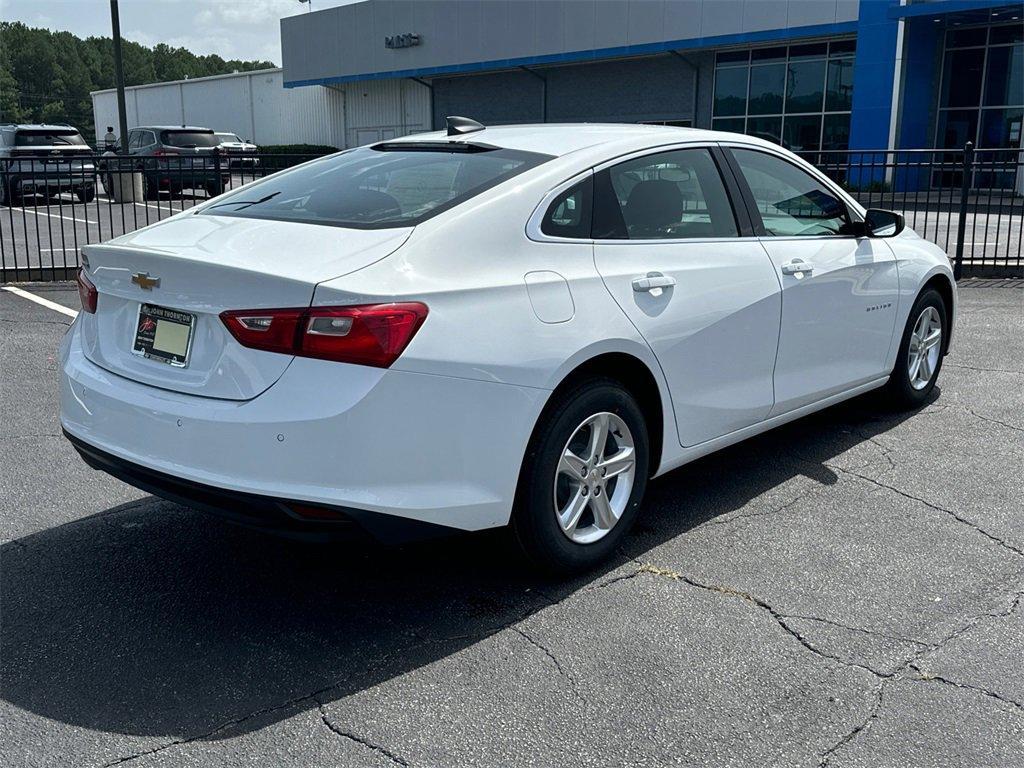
column 151, row 619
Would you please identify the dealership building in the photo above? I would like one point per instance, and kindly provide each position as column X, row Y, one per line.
column 810, row 74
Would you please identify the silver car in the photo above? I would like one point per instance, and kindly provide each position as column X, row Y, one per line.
column 44, row 160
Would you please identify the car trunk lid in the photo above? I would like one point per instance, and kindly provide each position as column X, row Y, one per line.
column 200, row 266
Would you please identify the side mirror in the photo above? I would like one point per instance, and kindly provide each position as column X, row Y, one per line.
column 881, row 223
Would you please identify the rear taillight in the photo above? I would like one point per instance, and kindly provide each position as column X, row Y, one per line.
column 372, row 334
column 86, row 292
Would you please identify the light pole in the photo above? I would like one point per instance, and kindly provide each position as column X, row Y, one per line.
column 122, row 116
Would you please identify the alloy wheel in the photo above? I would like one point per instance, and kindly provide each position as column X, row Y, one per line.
column 925, row 348
column 594, row 479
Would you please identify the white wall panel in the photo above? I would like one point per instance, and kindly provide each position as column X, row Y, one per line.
column 221, row 104
column 257, row 106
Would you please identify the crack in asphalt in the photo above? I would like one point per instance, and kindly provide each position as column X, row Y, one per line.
column 928, row 677
column 912, row 664
column 884, row 677
column 23, row 321
column 570, row 678
column 959, row 518
column 984, row 370
column 394, row 758
column 863, row 725
column 220, row 728
column 726, row 520
column 860, row 630
column 779, row 617
column 990, row 420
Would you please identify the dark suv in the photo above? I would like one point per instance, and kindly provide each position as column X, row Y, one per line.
column 44, row 160
column 178, row 157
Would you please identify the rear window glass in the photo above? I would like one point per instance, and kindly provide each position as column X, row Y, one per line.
column 188, row 139
column 374, row 188
column 48, row 138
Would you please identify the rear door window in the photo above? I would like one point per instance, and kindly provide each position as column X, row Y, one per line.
column 394, row 185
column 665, row 196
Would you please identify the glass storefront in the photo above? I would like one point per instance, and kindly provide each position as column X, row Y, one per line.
column 982, row 93
column 799, row 96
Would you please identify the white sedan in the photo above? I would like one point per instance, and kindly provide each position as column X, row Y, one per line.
column 513, row 326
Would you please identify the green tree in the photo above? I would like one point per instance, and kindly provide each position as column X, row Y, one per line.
column 48, row 76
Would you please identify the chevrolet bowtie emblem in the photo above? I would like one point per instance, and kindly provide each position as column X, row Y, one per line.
column 144, row 281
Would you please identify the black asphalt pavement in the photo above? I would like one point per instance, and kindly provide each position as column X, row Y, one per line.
column 844, row 591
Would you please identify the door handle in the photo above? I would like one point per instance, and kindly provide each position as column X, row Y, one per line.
column 652, row 281
column 797, row 267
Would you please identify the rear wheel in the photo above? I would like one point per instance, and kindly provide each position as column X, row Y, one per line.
column 152, row 189
column 86, row 194
column 920, row 355
column 583, row 477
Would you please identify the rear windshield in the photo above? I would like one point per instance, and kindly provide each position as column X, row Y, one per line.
column 49, row 138
column 377, row 188
column 189, row 139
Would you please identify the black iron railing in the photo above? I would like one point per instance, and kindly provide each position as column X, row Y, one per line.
column 52, row 204
column 968, row 201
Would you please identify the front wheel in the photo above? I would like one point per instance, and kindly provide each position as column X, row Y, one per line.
column 86, row 194
column 921, row 349
column 583, row 477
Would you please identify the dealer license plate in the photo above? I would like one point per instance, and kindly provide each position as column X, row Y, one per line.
column 164, row 335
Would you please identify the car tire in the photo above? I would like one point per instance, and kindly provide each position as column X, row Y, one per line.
column 553, row 492
column 86, row 194
column 211, row 189
column 916, row 371
column 152, row 189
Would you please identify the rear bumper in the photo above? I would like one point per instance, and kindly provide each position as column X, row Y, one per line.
column 433, row 449
column 32, row 181
column 280, row 516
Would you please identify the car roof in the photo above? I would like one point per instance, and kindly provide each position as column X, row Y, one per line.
column 563, row 138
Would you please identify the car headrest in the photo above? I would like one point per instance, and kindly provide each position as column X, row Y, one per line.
column 654, row 204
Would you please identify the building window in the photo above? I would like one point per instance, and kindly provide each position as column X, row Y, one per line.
column 799, row 96
column 982, row 93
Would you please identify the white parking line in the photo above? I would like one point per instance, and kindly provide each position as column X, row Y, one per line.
column 50, row 215
column 40, row 300
column 145, row 205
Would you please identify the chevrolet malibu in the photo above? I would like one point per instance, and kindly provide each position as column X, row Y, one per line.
column 508, row 326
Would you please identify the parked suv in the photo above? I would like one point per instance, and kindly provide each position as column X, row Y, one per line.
column 240, row 152
column 44, row 160
column 177, row 157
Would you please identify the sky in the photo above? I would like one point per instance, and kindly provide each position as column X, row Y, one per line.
column 233, row 29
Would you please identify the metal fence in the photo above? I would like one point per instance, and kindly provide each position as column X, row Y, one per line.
column 968, row 201
column 53, row 204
